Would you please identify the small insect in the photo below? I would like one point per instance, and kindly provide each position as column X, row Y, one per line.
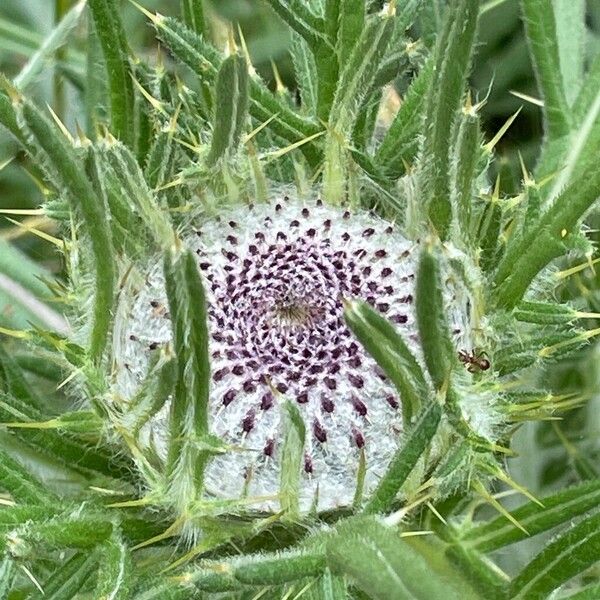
column 474, row 362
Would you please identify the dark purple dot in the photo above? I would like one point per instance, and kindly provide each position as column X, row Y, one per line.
column 133, row 338
column 406, row 299
column 368, row 232
column 238, row 370
column 383, row 306
column 248, row 421
column 319, row 432
column 229, row 255
column 381, row 253
column 346, row 214
column 359, row 438
column 294, row 223
column 232, row 224
column 330, row 383
column 277, row 207
column 345, row 236
column 305, row 212
column 311, row 233
column 400, row 319
column 282, row 387
column 386, row 272
column 249, row 386
column 327, row 405
column 392, row 401
column 218, row 375
column 154, row 303
column 153, row 346
column 266, row 401
column 302, row 398
column 269, row 447
column 359, row 406
column 228, row 397
column 355, row 362
column 308, row 465
column 356, row 380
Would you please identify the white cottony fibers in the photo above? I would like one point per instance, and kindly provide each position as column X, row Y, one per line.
column 275, row 277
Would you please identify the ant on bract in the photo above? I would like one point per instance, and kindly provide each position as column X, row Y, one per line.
column 474, row 362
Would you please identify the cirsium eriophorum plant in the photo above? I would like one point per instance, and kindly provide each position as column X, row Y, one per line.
column 298, row 331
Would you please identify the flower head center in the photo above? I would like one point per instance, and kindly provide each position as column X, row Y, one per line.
column 295, row 311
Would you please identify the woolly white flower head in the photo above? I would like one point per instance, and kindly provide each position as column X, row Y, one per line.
column 275, row 276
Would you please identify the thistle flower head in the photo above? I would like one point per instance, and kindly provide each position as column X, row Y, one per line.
column 276, row 276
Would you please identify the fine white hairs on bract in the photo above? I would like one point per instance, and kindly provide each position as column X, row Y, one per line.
column 276, row 275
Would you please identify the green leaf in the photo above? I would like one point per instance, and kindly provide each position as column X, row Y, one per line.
column 556, row 509
column 351, row 24
column 386, row 346
column 540, row 27
column 68, row 579
column 488, row 233
column 358, row 74
column 13, row 382
column 386, row 566
column 115, row 569
column 465, row 160
column 452, row 63
column 231, row 99
column 481, row 572
column 192, row 12
column 570, row 554
column 112, row 37
column 21, row 484
column 124, row 180
column 590, row 592
column 306, row 74
column 328, row 587
column 278, row 569
column 527, row 256
column 300, row 19
column 66, row 449
column 414, row 443
column 291, row 459
column 7, row 576
column 264, row 106
column 571, row 38
column 74, row 530
column 188, row 423
column 72, row 178
column 21, row 282
column 58, row 36
column 434, row 333
column 400, row 144
column 544, row 313
column 154, row 392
